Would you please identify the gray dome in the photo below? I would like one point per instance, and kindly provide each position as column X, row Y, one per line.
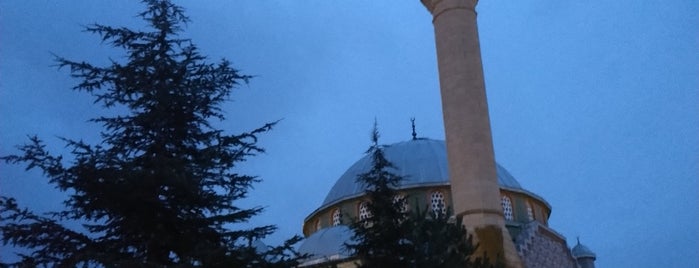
column 326, row 244
column 581, row 251
column 421, row 162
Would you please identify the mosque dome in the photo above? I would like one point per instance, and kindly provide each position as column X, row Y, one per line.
column 421, row 162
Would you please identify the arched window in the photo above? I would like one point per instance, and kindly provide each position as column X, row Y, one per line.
column 318, row 224
column 364, row 212
column 401, row 202
column 337, row 217
column 507, row 207
column 530, row 212
column 437, row 203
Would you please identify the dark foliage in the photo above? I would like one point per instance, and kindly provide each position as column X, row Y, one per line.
column 441, row 240
column 381, row 238
column 159, row 189
column 395, row 237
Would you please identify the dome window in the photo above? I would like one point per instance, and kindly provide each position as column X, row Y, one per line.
column 400, row 201
column 318, row 224
column 364, row 213
column 337, row 217
column 507, row 207
column 437, row 203
column 530, row 212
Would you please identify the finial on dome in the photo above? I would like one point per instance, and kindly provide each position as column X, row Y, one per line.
column 412, row 120
column 581, row 251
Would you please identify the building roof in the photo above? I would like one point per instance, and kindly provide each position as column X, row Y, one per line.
column 421, row 162
column 581, row 251
column 327, row 244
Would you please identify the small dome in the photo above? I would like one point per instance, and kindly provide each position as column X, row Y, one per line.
column 326, row 244
column 581, row 251
column 421, row 162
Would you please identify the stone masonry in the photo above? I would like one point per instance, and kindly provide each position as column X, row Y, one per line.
column 540, row 247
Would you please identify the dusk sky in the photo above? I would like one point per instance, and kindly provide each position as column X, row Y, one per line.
column 594, row 106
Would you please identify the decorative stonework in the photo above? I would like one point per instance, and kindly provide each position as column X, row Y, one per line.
column 507, row 208
column 540, row 247
column 437, row 202
column 530, row 212
column 438, row 6
column 337, row 217
column 400, row 201
column 364, row 212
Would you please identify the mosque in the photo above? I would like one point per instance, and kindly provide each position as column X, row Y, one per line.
column 460, row 172
column 422, row 163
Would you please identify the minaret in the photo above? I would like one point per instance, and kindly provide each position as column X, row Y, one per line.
column 474, row 186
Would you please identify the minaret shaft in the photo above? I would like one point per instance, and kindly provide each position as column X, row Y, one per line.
column 472, row 175
column 465, row 111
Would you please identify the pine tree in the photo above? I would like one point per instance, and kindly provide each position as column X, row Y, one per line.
column 392, row 236
column 160, row 189
column 441, row 241
column 381, row 238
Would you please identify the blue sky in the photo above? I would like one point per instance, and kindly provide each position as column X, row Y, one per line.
column 594, row 106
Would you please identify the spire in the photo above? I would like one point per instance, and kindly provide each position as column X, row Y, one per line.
column 582, row 251
column 412, row 120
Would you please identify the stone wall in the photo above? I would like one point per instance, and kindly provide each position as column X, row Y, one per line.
column 541, row 247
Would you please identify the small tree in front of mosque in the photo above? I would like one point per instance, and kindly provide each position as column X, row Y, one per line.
column 392, row 236
column 380, row 238
column 441, row 240
column 159, row 190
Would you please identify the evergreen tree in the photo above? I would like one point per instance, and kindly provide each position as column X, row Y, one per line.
column 381, row 237
column 160, row 189
column 441, row 241
column 392, row 236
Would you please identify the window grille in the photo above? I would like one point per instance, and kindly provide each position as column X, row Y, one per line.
column 337, row 217
column 364, row 212
column 530, row 212
column 507, row 207
column 437, row 203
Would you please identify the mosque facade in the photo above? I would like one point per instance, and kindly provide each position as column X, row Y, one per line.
column 423, row 165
